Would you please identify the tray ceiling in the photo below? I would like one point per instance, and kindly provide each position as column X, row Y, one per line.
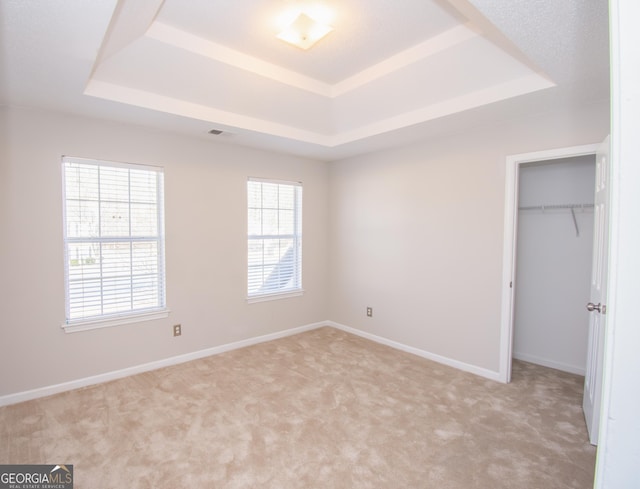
column 387, row 65
column 197, row 65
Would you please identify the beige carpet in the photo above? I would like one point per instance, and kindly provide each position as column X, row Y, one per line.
column 323, row 409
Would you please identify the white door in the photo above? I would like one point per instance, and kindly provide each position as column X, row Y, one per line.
column 597, row 300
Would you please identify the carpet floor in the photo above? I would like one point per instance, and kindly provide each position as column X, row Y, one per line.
column 322, row 409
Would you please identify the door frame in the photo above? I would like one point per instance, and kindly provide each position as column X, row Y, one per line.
column 512, row 176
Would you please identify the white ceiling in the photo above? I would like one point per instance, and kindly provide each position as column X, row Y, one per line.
column 390, row 72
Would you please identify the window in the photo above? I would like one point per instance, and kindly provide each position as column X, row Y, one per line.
column 274, row 239
column 113, row 243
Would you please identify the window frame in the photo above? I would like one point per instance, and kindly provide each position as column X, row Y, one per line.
column 296, row 236
column 132, row 315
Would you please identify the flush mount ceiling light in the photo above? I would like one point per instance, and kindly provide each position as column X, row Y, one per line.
column 304, row 31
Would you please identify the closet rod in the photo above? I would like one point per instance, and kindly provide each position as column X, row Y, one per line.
column 560, row 206
column 555, row 206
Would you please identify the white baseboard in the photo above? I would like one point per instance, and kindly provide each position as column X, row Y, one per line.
column 482, row 372
column 167, row 362
column 545, row 362
column 118, row 374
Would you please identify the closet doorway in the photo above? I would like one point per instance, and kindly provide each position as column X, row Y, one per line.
column 509, row 273
column 553, row 262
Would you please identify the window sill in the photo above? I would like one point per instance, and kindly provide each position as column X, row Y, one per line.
column 274, row 297
column 81, row 325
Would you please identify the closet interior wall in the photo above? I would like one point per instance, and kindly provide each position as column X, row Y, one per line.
column 553, row 264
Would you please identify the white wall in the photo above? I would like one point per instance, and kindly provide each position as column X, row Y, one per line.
column 205, row 192
column 417, row 234
column 553, row 267
column 414, row 232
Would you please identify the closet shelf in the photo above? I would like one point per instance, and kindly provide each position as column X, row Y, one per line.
column 572, row 207
column 555, row 206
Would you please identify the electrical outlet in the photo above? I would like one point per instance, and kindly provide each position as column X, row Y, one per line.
column 370, row 312
column 177, row 329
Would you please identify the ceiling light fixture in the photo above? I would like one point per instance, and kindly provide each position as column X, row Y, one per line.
column 304, row 31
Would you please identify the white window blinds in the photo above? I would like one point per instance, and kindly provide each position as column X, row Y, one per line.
column 113, row 239
column 274, row 237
